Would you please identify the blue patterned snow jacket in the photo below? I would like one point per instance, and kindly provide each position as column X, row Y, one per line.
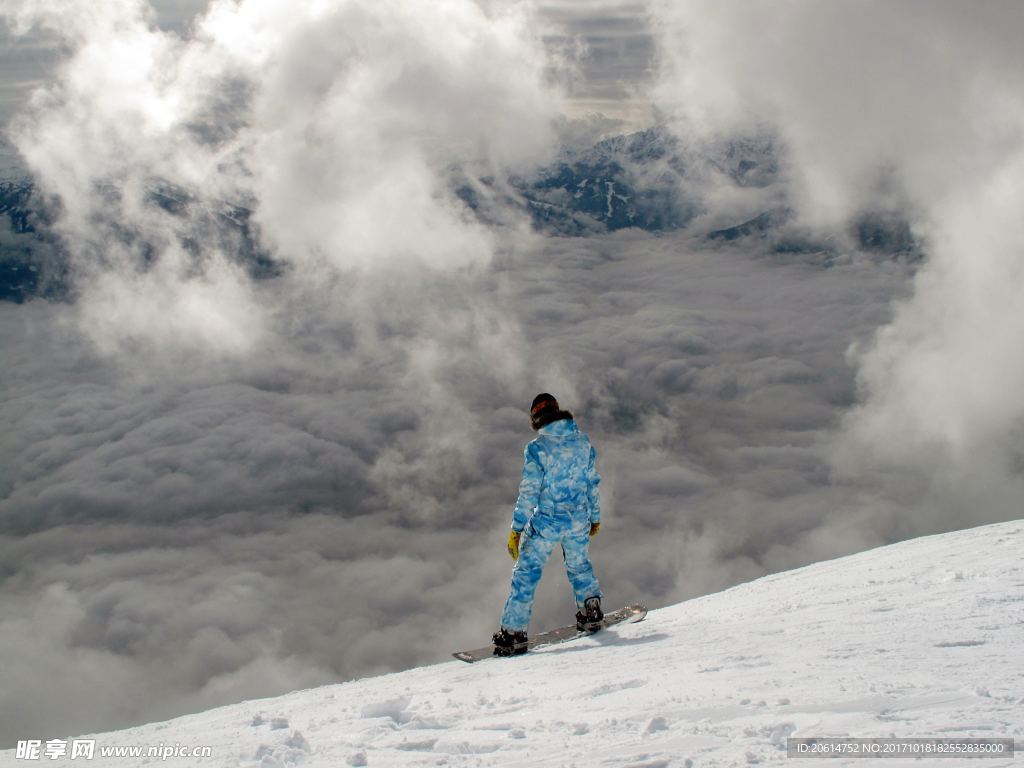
column 559, row 489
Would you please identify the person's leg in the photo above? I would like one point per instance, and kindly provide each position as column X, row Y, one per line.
column 534, row 552
column 578, row 568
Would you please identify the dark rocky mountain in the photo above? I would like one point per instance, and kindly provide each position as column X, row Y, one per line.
column 646, row 180
column 34, row 259
column 30, row 258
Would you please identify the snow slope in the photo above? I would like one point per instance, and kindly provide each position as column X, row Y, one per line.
column 922, row 638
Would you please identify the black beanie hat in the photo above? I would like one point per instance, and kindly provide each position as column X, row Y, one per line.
column 545, row 410
column 541, row 401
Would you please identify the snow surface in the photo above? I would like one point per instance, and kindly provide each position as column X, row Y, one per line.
column 924, row 638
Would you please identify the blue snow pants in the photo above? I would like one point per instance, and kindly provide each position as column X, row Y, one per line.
column 534, row 551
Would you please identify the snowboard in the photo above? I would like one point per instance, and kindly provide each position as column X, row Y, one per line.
column 630, row 614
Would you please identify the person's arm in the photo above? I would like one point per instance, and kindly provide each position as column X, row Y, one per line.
column 593, row 491
column 529, row 488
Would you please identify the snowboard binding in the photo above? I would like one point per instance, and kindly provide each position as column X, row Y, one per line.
column 590, row 618
column 508, row 643
column 631, row 613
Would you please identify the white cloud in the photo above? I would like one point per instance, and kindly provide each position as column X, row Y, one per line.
column 338, row 123
column 909, row 106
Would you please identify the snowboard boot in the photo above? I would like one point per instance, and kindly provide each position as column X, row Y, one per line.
column 589, row 619
column 507, row 643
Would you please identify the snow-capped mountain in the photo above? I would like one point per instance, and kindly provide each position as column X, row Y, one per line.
column 919, row 639
column 639, row 180
column 647, row 180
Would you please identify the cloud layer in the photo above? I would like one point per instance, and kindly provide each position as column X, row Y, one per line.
column 311, row 514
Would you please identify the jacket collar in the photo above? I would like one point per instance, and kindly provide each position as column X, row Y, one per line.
column 559, row 428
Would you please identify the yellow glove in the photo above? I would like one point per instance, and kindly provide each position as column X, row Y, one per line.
column 513, row 543
column 594, row 528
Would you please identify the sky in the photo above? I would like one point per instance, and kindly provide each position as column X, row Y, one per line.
column 609, row 42
column 216, row 488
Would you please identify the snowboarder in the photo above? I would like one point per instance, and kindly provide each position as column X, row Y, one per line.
column 558, row 504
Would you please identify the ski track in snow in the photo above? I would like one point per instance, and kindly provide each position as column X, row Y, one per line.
column 920, row 639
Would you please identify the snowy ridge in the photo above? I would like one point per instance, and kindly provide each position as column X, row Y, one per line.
column 920, row 639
